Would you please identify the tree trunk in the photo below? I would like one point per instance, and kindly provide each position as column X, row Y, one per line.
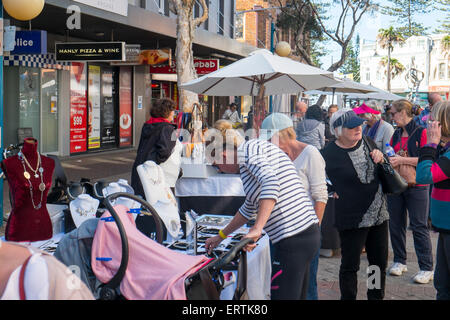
column 186, row 25
column 259, row 111
column 185, row 57
column 389, row 69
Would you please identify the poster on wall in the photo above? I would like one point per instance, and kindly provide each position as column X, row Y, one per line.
column 94, row 108
column 78, row 107
column 126, row 107
column 108, row 114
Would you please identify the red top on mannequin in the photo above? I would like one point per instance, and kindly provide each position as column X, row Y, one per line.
column 26, row 223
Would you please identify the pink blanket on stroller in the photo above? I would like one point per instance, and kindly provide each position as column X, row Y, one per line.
column 154, row 272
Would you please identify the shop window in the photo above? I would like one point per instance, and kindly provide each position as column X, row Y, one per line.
column 49, row 111
column 441, row 71
column 29, row 98
column 220, row 16
column 232, row 14
column 239, row 29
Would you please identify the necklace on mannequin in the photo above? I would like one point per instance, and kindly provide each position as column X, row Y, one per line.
column 38, row 166
column 27, row 176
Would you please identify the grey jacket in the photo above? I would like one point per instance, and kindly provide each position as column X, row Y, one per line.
column 74, row 249
column 311, row 131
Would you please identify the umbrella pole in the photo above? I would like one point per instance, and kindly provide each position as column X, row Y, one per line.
column 259, row 110
column 332, row 99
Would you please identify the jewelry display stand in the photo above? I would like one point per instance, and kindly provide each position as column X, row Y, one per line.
column 29, row 175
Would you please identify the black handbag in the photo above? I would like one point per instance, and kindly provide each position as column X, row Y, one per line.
column 391, row 181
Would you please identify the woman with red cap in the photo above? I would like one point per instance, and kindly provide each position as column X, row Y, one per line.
column 376, row 128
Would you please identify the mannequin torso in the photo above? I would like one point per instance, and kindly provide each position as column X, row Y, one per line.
column 29, row 219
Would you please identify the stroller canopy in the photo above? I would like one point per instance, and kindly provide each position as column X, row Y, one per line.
column 153, row 273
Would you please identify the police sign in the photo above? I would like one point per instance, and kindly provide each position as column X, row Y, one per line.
column 30, row 42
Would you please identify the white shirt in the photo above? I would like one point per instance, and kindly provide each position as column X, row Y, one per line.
column 234, row 117
column 227, row 114
column 310, row 166
column 35, row 281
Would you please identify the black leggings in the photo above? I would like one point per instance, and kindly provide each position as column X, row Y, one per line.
column 290, row 268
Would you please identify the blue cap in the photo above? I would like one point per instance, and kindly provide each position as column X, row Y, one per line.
column 274, row 123
column 348, row 120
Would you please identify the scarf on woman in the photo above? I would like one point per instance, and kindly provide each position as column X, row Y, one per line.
column 372, row 131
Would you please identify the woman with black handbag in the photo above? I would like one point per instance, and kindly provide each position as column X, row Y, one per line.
column 407, row 140
column 361, row 215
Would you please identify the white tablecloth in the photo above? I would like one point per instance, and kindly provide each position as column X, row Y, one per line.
column 46, row 245
column 218, row 185
column 259, row 272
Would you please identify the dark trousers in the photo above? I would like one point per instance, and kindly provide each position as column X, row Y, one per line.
column 415, row 201
column 375, row 239
column 442, row 272
column 290, row 269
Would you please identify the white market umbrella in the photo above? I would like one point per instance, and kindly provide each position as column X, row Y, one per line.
column 260, row 74
column 244, row 77
column 345, row 86
column 379, row 94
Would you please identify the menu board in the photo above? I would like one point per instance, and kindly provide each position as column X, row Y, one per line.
column 78, row 107
column 94, row 108
column 108, row 112
column 126, row 106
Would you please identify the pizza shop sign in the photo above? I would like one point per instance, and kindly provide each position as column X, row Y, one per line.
column 88, row 51
column 202, row 66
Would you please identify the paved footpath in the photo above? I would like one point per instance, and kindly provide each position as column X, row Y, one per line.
column 112, row 166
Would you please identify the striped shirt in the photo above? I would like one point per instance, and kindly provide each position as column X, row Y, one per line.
column 268, row 173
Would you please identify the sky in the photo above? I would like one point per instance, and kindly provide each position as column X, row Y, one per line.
column 369, row 25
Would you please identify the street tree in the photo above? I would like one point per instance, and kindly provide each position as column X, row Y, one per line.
column 407, row 11
column 351, row 65
column 397, row 68
column 309, row 38
column 443, row 5
column 387, row 38
column 313, row 16
column 350, row 13
column 186, row 25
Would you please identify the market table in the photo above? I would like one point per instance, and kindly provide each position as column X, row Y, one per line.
column 220, row 193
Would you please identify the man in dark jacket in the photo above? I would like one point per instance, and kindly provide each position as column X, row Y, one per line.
column 156, row 143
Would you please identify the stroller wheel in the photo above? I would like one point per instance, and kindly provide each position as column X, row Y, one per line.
column 107, row 293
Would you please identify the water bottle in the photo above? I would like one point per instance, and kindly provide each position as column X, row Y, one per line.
column 389, row 150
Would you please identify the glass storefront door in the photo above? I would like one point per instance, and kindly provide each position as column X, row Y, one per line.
column 49, row 111
column 38, row 106
column 29, row 100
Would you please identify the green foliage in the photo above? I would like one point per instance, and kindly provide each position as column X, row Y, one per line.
column 298, row 17
column 406, row 12
column 352, row 64
column 396, row 66
column 446, row 43
column 388, row 37
column 443, row 5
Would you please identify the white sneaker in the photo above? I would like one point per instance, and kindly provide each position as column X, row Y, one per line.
column 328, row 253
column 397, row 269
column 423, row 277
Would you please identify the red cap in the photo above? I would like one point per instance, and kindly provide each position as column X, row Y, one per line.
column 365, row 109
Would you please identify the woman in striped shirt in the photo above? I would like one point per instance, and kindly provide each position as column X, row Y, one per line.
column 277, row 200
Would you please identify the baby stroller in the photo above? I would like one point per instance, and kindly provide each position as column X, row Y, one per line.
column 203, row 283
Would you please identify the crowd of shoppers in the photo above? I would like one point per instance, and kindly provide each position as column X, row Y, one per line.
column 288, row 174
